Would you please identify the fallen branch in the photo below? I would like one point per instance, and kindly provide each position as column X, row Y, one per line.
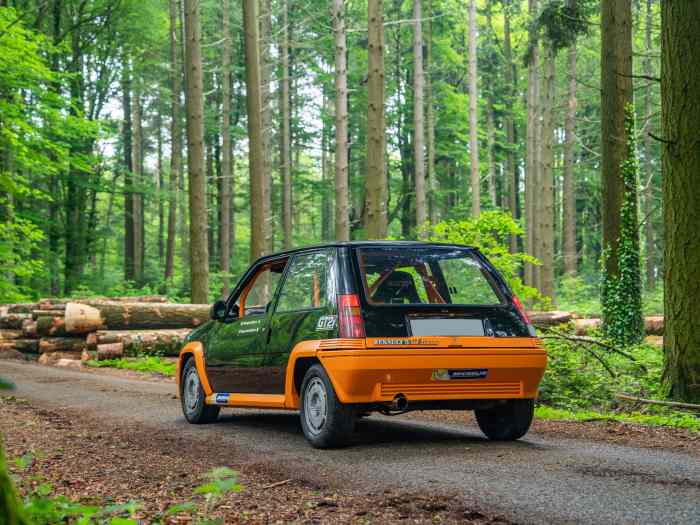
column 277, row 484
column 555, row 334
column 673, row 404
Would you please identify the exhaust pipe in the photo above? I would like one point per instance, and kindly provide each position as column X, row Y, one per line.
column 399, row 403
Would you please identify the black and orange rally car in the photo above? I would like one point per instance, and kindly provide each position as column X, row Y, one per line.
column 344, row 329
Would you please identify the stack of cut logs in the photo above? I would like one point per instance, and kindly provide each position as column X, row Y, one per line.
column 56, row 329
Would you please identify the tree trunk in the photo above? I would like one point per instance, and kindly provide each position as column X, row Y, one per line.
column 137, row 168
column 546, row 182
column 175, row 142
column 418, row 123
column 139, row 316
column 139, row 342
column 490, row 145
column 265, row 18
column 199, row 252
column 473, row 116
column 680, row 91
column 159, row 188
column 375, row 222
column 285, row 133
column 226, row 172
column 430, row 116
column 616, row 94
column 512, row 178
column 256, row 166
column 342, row 212
column 532, row 166
column 569, row 191
column 650, row 250
column 129, row 270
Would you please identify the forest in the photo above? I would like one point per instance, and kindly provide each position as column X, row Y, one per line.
column 159, row 147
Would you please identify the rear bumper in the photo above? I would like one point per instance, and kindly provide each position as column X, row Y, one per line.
column 377, row 376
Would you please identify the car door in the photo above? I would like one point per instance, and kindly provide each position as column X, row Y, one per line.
column 235, row 351
column 305, row 308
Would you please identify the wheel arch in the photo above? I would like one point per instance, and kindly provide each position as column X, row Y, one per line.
column 193, row 350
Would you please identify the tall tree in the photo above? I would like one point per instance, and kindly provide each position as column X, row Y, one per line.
column 175, row 139
column 545, row 215
column 430, row 117
column 473, row 116
column 532, row 165
column 512, row 170
column 258, row 222
column 418, row 122
column 375, row 181
column 342, row 212
column 226, row 151
column 680, row 89
column 285, row 132
column 648, row 163
column 129, row 236
column 194, row 103
column 569, row 190
column 138, row 177
column 616, row 94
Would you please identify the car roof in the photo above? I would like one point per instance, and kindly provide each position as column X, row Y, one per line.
column 360, row 244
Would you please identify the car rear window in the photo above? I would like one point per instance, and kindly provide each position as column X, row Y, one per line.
column 426, row 275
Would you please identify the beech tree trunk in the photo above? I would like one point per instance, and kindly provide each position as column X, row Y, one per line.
column 342, row 207
column 285, row 133
column 265, row 60
column 226, row 171
column 569, row 191
column 375, row 182
column 418, row 123
column 532, row 145
column 473, row 116
column 430, row 117
column 175, row 141
column 199, row 250
column 128, row 174
column 512, row 178
column 546, row 182
column 680, row 91
column 616, row 93
column 490, row 144
column 256, row 166
column 137, row 195
column 648, row 192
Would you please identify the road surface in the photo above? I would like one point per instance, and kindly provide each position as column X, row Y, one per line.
column 539, row 479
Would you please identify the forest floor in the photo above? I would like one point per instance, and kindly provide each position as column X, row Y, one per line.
column 115, row 434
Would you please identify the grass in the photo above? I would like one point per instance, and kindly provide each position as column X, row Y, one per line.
column 149, row 364
column 670, row 419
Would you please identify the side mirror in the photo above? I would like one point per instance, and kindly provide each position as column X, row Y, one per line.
column 218, row 310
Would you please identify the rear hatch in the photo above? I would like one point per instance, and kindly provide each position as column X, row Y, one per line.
column 429, row 293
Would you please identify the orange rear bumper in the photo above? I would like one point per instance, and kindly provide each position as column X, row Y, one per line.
column 376, row 376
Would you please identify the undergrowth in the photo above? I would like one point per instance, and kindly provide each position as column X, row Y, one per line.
column 149, row 364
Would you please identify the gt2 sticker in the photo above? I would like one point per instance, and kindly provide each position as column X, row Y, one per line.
column 327, row 322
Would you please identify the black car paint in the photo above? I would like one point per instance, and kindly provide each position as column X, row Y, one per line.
column 255, row 361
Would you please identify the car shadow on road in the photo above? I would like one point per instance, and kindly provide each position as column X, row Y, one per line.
column 374, row 431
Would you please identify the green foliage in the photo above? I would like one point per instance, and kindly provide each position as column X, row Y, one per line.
column 489, row 233
column 622, row 293
column 150, row 364
column 563, row 21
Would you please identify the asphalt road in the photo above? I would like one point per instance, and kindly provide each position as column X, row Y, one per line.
column 539, row 479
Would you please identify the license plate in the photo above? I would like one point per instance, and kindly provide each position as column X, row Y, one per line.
column 443, row 374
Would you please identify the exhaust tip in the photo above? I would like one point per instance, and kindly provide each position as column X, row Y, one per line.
column 399, row 402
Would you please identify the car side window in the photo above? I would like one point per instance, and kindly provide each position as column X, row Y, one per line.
column 257, row 296
column 307, row 284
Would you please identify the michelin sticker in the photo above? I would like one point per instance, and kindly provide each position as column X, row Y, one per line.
column 327, row 322
column 221, row 399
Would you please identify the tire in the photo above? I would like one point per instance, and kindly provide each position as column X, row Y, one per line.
column 506, row 422
column 195, row 410
column 325, row 421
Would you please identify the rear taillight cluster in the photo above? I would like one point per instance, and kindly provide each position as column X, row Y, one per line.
column 350, row 317
column 521, row 310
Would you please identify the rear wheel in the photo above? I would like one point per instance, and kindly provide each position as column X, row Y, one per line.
column 508, row 421
column 326, row 422
column 192, row 396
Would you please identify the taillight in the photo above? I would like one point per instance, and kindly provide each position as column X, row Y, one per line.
column 520, row 308
column 350, row 317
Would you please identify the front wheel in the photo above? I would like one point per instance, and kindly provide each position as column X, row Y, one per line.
column 508, row 421
column 326, row 422
column 192, row 396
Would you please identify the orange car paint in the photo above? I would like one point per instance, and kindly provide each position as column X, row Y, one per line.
column 403, row 365
column 193, row 349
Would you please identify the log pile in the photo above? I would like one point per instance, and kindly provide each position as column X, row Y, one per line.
column 96, row 328
column 653, row 325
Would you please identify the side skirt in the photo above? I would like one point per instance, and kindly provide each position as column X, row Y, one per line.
column 247, row 400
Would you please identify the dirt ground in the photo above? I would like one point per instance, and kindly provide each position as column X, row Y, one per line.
column 96, row 465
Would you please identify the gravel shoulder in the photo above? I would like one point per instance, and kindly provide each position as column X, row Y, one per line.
column 545, row 478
